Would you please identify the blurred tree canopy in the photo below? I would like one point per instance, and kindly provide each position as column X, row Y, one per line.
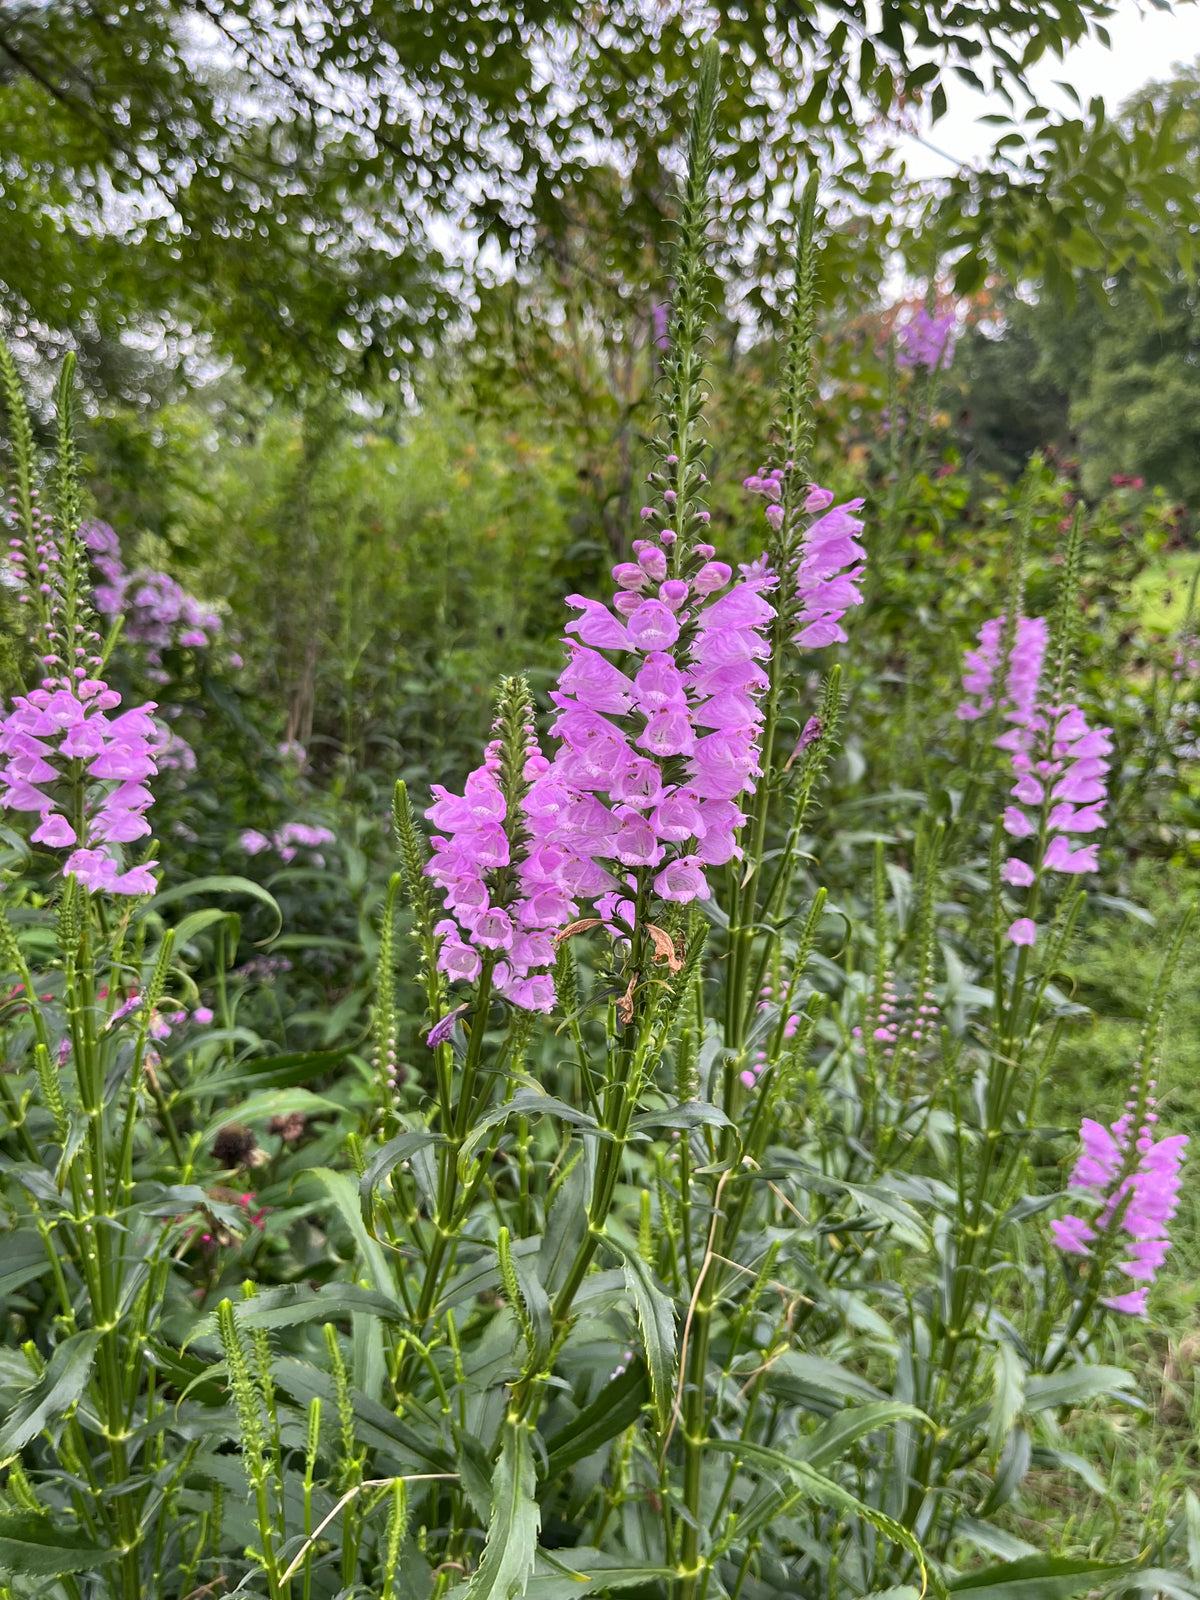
column 1114, row 375
column 311, row 191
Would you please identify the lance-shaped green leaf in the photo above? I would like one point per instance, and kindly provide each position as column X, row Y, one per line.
column 266, row 1072
column 344, row 1194
column 33, row 1545
column 289, row 1304
column 834, row 1437
column 617, row 1406
column 1008, row 1394
column 24, row 1258
column 1075, row 1385
column 817, row 1383
column 873, row 1200
column 656, row 1318
column 1067, row 1461
column 828, row 1493
column 58, row 1388
column 580, row 1572
column 219, row 884
column 525, row 1103
column 385, row 1161
column 688, row 1114
column 511, row 1547
column 537, row 1320
column 274, row 1103
column 1038, row 1578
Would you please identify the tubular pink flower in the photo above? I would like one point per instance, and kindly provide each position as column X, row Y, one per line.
column 682, row 880
column 1072, row 1235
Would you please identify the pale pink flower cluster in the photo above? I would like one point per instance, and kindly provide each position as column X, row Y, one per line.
column 288, row 841
column 1060, row 763
column 62, row 756
column 828, row 570
column 504, row 898
column 1135, row 1179
column 158, row 612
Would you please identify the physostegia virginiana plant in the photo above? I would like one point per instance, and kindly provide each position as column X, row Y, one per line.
column 686, row 1268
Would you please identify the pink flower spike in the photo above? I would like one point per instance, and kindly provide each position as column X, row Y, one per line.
column 1023, row 931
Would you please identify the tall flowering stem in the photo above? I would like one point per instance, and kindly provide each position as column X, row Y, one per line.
column 1130, row 1178
column 1019, row 676
column 813, row 555
column 82, row 773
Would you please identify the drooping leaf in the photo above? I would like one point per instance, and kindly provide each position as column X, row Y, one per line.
column 267, row 1072
column 565, row 1225
column 511, row 1547
column 374, row 1424
column 1074, row 1385
column 1068, row 1461
column 537, row 1308
column 525, row 1103
column 832, row 1438
column 24, row 1258
column 817, row 1383
column 387, row 1159
column 1008, row 1394
column 273, row 1103
column 218, row 884
column 828, row 1493
column 656, row 1318
column 689, row 1114
column 290, row 1304
column 344, row 1194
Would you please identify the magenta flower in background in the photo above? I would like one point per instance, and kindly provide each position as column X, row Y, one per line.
column 1135, row 1179
column 926, row 341
column 158, row 612
column 288, row 841
column 982, row 664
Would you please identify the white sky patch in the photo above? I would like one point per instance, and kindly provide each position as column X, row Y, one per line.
column 1146, row 44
